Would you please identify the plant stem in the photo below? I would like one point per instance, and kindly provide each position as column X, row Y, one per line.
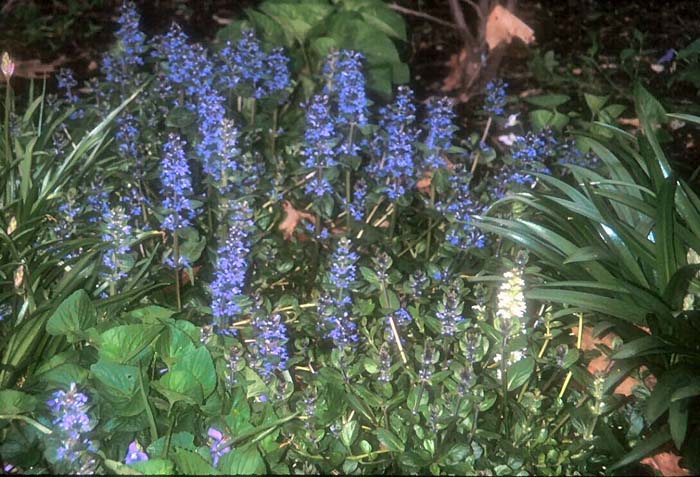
column 504, row 384
column 348, row 191
column 40, row 427
column 8, row 149
column 176, row 253
column 430, row 221
column 149, row 411
column 41, row 108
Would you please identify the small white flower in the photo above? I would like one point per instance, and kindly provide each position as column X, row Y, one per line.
column 508, row 139
column 512, row 120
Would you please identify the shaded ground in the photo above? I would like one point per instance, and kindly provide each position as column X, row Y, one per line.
column 81, row 30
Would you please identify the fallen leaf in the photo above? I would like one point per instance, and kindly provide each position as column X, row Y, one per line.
column 634, row 122
column 464, row 70
column 601, row 363
column 667, row 463
column 502, row 26
column 423, row 184
column 35, row 69
column 292, row 219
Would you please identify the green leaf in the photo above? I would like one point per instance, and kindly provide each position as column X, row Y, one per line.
column 586, row 254
column 184, row 440
column 180, row 118
column 243, row 461
column 666, row 249
column 191, row 463
column 541, row 118
column 297, row 18
column 520, row 372
column 595, row 103
column 118, row 384
column 199, row 364
column 180, row 386
column 390, row 440
column 678, row 420
column 547, row 100
column 625, row 310
column 660, row 398
column 73, row 316
column 643, row 449
column 640, row 347
column 122, row 344
column 389, row 301
column 686, row 392
column 16, row 402
column 154, row 467
column 349, row 433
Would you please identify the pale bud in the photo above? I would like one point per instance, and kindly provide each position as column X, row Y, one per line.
column 7, row 65
column 19, row 277
column 12, row 226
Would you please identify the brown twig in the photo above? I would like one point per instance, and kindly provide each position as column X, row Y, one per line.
column 408, row 11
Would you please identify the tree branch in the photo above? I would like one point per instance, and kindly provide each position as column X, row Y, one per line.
column 408, row 11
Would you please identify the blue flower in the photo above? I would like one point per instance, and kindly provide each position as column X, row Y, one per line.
column 395, row 145
column 218, row 446
column 177, row 185
column 135, row 454
column 211, row 113
column 440, row 128
column 358, row 206
column 270, row 349
column 459, row 210
column 120, row 65
column 320, row 138
column 231, row 269
column 98, row 201
column 334, row 306
column 345, row 83
column 530, row 154
column 185, row 65
column 67, row 82
column 449, row 310
column 70, row 421
column 495, row 97
column 246, row 63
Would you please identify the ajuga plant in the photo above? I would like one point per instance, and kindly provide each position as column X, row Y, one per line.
column 255, row 264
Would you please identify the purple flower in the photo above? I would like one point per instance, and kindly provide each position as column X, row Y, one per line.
column 135, row 454
column 440, row 127
column 335, row 304
column 320, row 138
column 177, row 185
column 116, row 236
column 70, row 420
column 394, row 146
column 270, row 348
column 345, row 83
column 495, row 97
column 231, row 269
column 217, row 445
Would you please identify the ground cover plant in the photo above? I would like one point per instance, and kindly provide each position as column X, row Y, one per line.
column 266, row 256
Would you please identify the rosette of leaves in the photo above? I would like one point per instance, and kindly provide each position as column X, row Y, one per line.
column 621, row 246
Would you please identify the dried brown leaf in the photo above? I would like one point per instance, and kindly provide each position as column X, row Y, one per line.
column 292, row 219
column 667, row 463
column 502, row 26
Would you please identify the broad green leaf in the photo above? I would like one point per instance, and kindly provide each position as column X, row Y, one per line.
column 118, row 384
column 243, row 461
column 390, row 440
column 548, row 100
column 123, row 344
column 154, row 467
column 297, row 18
column 16, row 402
column 349, row 433
column 191, row 463
column 180, row 386
column 519, row 373
column 595, row 103
column 73, row 316
column 541, row 118
column 184, row 440
column 199, row 364
column 623, row 309
column 586, row 254
column 151, row 314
